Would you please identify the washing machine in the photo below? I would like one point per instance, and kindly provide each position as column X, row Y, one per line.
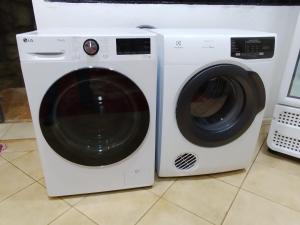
column 213, row 86
column 92, row 95
column 284, row 134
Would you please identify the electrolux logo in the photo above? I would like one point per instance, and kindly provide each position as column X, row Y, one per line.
column 27, row 40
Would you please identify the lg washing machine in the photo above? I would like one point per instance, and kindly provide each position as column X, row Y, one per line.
column 92, row 95
column 213, row 86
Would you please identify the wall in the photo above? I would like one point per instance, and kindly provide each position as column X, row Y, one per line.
column 280, row 20
column 15, row 17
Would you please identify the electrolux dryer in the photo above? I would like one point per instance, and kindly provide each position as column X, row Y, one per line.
column 213, row 86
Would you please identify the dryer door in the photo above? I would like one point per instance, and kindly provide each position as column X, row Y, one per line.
column 218, row 105
column 94, row 117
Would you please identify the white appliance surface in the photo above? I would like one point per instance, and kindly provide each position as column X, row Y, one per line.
column 183, row 54
column 46, row 57
column 289, row 91
column 284, row 134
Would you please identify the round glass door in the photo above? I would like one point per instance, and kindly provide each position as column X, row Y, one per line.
column 219, row 104
column 94, row 117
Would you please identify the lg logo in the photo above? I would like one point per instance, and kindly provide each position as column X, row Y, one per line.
column 27, row 40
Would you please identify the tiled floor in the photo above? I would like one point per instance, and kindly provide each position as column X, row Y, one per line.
column 266, row 194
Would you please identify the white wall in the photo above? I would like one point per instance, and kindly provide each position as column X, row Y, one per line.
column 280, row 20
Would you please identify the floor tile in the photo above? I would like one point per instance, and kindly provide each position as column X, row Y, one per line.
column 234, row 178
column 204, row 196
column 274, row 184
column 164, row 213
column 30, row 164
column 237, row 177
column 2, row 161
column 42, row 182
column 281, row 162
column 71, row 200
column 117, row 208
column 18, row 148
column 249, row 209
column 73, row 217
column 4, row 128
column 12, row 180
column 19, row 131
column 161, row 185
column 31, row 206
column 25, row 145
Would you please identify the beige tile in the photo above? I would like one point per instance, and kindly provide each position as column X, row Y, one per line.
column 31, row 206
column 280, row 162
column 234, row 177
column 42, row 182
column 73, row 217
column 249, row 209
column 274, row 184
column 18, row 148
column 237, row 177
column 161, row 185
column 117, row 208
column 164, row 213
column 73, row 200
column 12, row 180
column 204, row 196
column 2, row 161
column 30, row 164
column 4, row 128
column 19, row 131
column 26, row 145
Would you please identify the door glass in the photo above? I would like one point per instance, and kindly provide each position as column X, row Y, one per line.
column 295, row 83
column 217, row 103
column 94, row 117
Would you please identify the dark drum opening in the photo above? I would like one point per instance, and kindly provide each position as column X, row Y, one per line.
column 217, row 103
column 94, row 116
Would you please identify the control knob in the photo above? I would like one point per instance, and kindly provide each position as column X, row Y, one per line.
column 91, row 47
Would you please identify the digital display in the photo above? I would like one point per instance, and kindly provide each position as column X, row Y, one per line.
column 253, row 47
column 133, row 46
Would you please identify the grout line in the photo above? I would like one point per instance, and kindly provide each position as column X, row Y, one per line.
column 85, row 215
column 146, row 212
column 82, row 196
column 190, row 212
column 11, row 195
column 270, row 200
column 6, row 130
column 159, row 198
column 60, row 215
column 20, row 169
column 262, row 145
column 36, row 179
column 240, row 188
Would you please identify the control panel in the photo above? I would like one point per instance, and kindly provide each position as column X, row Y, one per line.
column 253, row 47
column 133, row 46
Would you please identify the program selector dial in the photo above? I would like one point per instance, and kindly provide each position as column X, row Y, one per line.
column 91, row 47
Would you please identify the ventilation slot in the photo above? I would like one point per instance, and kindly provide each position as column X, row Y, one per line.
column 289, row 118
column 185, row 161
column 288, row 143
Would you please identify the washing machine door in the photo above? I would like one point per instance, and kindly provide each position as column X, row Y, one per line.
column 94, row 117
column 218, row 104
